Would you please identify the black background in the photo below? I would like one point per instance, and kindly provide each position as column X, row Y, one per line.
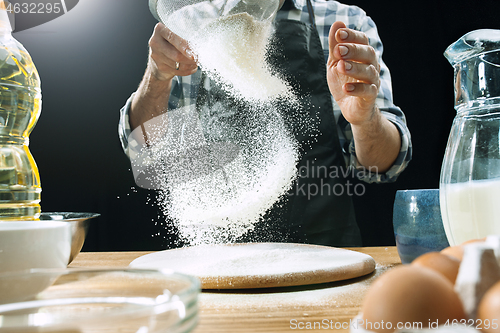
column 30, row 14
column 92, row 58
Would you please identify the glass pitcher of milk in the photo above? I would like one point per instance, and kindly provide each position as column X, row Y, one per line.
column 470, row 174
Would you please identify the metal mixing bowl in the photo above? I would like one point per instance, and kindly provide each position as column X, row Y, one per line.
column 80, row 226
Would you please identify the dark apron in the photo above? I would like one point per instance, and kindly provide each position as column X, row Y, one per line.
column 318, row 209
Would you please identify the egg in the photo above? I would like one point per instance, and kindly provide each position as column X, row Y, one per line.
column 473, row 241
column 446, row 265
column 410, row 294
column 488, row 311
column 457, row 251
column 454, row 251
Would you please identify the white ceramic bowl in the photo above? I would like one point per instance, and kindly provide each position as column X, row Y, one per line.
column 34, row 244
column 25, row 245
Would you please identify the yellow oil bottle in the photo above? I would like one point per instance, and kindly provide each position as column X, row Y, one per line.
column 20, row 105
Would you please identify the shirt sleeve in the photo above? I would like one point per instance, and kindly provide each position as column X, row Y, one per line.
column 177, row 99
column 361, row 22
column 371, row 175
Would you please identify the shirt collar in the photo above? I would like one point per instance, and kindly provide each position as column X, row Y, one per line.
column 299, row 4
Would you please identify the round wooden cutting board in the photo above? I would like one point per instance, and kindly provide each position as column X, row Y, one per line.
column 260, row 265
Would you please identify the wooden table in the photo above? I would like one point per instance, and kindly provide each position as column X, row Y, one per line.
column 330, row 306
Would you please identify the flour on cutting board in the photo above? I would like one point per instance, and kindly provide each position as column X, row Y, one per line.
column 250, row 259
column 260, row 265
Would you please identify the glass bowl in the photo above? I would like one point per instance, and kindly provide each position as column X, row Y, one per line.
column 104, row 300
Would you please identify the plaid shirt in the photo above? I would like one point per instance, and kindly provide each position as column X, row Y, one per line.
column 185, row 89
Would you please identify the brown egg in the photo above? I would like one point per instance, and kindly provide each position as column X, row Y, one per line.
column 454, row 251
column 473, row 241
column 488, row 312
column 446, row 265
column 457, row 251
column 410, row 294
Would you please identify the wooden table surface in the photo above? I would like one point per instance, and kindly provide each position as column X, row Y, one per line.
column 330, row 306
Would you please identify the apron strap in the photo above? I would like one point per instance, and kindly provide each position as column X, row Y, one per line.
column 310, row 10
column 303, row 216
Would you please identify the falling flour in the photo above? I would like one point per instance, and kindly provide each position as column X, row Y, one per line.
column 218, row 176
column 218, row 202
column 233, row 50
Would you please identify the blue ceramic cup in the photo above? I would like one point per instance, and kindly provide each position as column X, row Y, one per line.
column 418, row 227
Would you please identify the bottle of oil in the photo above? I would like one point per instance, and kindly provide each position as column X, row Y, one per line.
column 20, row 105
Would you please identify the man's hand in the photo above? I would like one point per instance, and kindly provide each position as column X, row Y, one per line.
column 352, row 73
column 169, row 55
